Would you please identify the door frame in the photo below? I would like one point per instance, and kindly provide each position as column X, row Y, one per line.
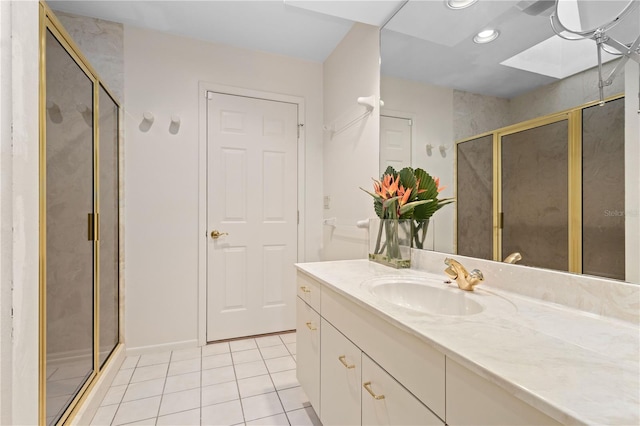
column 203, row 88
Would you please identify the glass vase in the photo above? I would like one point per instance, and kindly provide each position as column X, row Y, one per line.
column 390, row 242
column 419, row 237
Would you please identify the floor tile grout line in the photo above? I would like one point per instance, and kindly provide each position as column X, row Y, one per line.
column 244, row 418
column 113, row 419
column 164, row 385
column 276, row 390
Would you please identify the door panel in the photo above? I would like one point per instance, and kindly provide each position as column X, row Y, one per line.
column 252, row 201
column 603, row 211
column 109, row 224
column 69, row 250
column 395, row 143
column 340, row 378
column 308, row 352
column 535, row 195
column 385, row 402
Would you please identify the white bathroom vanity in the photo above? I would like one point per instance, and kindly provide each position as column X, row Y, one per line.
column 373, row 350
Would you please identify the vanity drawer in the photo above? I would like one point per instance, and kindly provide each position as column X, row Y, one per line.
column 309, row 291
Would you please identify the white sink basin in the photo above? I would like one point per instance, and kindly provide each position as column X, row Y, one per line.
column 424, row 295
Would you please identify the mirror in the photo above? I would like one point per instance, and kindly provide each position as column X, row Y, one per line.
column 580, row 16
column 450, row 88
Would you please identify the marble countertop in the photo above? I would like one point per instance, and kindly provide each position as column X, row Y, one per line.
column 577, row 367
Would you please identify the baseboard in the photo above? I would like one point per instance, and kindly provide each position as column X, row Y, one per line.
column 98, row 391
column 59, row 359
column 165, row 347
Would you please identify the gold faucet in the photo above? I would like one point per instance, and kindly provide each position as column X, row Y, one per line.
column 513, row 258
column 465, row 280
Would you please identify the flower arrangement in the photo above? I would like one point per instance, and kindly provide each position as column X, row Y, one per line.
column 408, row 194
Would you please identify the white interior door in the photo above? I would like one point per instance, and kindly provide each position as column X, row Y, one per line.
column 395, row 143
column 252, row 202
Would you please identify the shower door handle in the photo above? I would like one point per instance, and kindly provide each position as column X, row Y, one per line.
column 215, row 234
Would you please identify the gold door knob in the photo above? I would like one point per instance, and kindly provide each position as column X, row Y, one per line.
column 215, row 234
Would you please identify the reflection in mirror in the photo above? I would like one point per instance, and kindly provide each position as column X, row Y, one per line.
column 534, row 206
column 454, row 89
column 583, row 20
column 474, row 198
column 603, row 235
column 583, row 16
column 395, row 142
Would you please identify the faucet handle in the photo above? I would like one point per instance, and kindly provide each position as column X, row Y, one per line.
column 477, row 273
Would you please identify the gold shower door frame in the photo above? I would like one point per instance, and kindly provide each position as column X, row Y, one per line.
column 573, row 116
column 49, row 22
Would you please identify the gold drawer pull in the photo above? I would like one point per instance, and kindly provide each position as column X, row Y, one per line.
column 343, row 360
column 310, row 327
column 305, row 289
column 367, row 386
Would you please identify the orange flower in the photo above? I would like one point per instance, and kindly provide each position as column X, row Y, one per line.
column 388, row 187
column 404, row 195
column 440, row 188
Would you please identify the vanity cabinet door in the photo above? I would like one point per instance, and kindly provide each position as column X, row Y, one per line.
column 340, row 374
column 387, row 402
column 473, row 400
column 308, row 352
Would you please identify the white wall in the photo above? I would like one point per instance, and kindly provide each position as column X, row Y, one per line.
column 350, row 155
column 432, row 109
column 162, row 72
column 19, row 212
column 632, row 171
column 6, row 234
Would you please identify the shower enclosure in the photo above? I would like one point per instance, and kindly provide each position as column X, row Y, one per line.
column 79, row 226
column 551, row 189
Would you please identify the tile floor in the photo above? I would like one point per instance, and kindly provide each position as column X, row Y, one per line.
column 243, row 382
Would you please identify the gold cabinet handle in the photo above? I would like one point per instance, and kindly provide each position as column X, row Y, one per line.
column 310, row 327
column 367, row 386
column 343, row 360
column 215, row 234
column 305, row 289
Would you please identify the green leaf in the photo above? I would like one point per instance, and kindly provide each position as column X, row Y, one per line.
column 413, row 205
column 370, row 193
column 377, row 207
column 390, row 171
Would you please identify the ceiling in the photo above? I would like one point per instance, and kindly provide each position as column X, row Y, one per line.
column 425, row 41
column 308, row 30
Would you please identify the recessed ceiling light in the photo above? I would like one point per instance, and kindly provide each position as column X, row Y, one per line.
column 486, row 36
column 459, row 4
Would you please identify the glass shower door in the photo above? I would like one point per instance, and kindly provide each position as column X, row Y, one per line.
column 603, row 207
column 535, row 198
column 69, row 245
column 108, row 218
column 474, row 198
